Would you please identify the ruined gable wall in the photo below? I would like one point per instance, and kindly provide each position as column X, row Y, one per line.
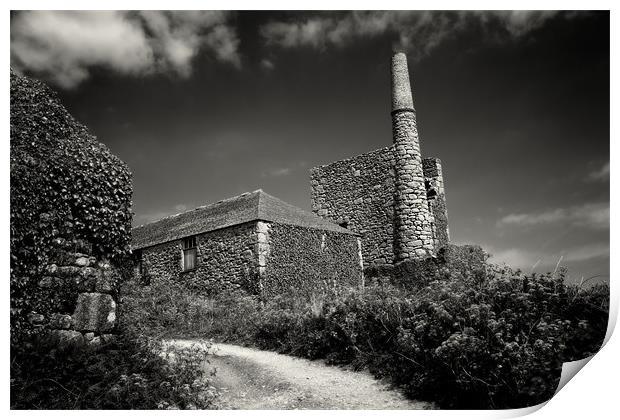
column 309, row 261
column 360, row 191
column 226, row 259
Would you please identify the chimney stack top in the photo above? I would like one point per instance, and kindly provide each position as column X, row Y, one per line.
column 401, row 88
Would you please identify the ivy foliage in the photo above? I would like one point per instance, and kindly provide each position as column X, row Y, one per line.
column 307, row 261
column 66, row 188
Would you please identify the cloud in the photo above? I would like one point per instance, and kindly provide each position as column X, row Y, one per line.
column 277, row 172
column 529, row 260
column 587, row 252
column 63, row 46
column 592, row 215
column 418, row 32
column 267, row 64
column 601, row 174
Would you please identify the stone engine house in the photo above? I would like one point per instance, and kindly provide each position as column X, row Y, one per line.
column 392, row 197
column 379, row 208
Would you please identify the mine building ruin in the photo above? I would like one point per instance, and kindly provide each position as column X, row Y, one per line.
column 380, row 208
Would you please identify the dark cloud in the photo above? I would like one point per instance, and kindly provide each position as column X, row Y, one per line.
column 418, row 32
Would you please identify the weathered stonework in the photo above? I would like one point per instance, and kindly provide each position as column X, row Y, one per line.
column 389, row 196
column 255, row 242
column 413, row 235
column 263, row 248
column 436, row 201
column 94, row 312
column 226, row 259
column 85, row 290
column 358, row 193
column 261, row 257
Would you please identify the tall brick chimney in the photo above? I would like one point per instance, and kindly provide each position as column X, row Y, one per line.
column 413, row 227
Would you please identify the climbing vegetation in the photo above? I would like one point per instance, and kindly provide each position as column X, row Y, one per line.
column 67, row 189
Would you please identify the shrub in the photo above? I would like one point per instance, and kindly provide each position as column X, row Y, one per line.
column 497, row 343
column 588, row 310
column 494, row 340
column 466, row 339
column 130, row 374
column 166, row 308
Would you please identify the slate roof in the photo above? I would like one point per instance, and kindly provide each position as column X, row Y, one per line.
column 243, row 208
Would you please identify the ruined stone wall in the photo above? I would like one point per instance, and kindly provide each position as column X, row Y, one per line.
column 359, row 192
column 436, row 196
column 70, row 214
column 226, row 259
column 310, row 261
column 82, row 293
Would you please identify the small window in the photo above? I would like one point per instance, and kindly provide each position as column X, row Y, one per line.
column 189, row 253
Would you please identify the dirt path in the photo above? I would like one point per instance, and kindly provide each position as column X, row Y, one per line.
column 255, row 379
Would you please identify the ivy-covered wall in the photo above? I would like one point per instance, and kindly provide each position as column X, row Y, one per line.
column 306, row 261
column 68, row 192
column 226, row 259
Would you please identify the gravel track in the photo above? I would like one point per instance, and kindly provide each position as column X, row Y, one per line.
column 255, row 379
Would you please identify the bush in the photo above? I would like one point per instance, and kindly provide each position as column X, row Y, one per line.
column 493, row 340
column 168, row 309
column 467, row 339
column 130, row 374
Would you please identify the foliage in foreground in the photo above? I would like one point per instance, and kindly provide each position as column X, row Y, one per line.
column 493, row 340
column 66, row 188
column 132, row 373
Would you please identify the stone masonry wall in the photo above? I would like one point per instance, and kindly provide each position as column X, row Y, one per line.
column 436, row 196
column 83, row 291
column 310, row 261
column 413, row 223
column 359, row 192
column 226, row 259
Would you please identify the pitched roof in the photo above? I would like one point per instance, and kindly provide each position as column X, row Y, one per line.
column 243, row 208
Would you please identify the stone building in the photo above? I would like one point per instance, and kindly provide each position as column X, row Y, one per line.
column 376, row 209
column 254, row 241
column 392, row 197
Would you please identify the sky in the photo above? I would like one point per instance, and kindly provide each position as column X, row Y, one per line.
column 203, row 106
